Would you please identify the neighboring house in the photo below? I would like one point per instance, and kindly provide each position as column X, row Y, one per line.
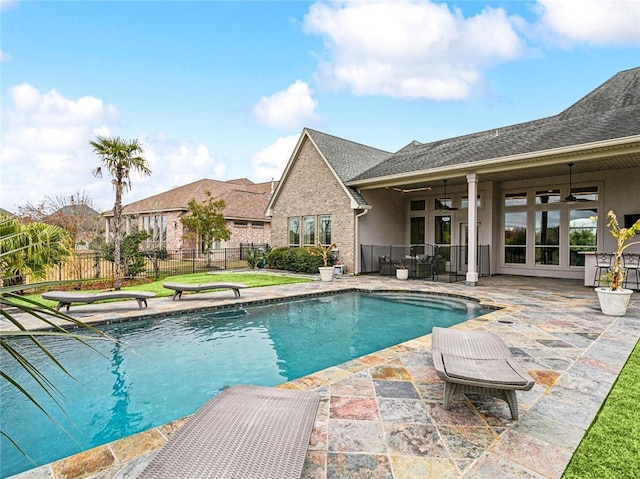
column 529, row 218
column 81, row 221
column 160, row 215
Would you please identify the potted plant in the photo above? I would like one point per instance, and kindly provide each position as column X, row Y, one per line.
column 402, row 272
column 326, row 271
column 613, row 298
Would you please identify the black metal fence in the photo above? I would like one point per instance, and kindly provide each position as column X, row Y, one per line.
column 424, row 261
column 157, row 263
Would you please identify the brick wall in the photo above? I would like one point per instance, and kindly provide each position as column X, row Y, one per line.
column 311, row 189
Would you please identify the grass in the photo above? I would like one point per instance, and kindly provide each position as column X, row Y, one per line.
column 252, row 280
column 611, row 446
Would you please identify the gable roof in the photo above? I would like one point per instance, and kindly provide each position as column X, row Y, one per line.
column 345, row 159
column 244, row 199
column 609, row 112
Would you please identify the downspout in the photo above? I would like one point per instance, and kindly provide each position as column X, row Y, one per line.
column 357, row 239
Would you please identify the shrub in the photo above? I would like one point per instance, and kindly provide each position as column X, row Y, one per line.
column 293, row 259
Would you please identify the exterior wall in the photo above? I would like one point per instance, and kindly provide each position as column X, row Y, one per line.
column 385, row 223
column 311, row 189
column 247, row 234
column 618, row 190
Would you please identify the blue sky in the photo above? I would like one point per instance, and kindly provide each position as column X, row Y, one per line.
column 222, row 90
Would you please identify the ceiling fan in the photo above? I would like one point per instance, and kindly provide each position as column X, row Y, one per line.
column 442, row 206
column 571, row 198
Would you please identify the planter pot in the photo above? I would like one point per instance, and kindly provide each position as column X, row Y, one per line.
column 326, row 274
column 613, row 303
column 402, row 273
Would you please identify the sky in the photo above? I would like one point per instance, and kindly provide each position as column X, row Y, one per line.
column 222, row 89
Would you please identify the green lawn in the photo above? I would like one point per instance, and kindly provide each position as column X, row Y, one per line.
column 252, row 280
column 611, row 446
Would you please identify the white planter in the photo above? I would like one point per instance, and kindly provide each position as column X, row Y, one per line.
column 326, row 274
column 613, row 303
column 402, row 273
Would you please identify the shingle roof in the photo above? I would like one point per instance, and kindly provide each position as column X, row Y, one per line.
column 347, row 158
column 243, row 198
column 610, row 111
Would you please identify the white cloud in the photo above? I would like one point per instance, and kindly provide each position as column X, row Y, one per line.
column 594, row 22
column 46, row 152
column 410, row 48
column 269, row 163
column 289, row 109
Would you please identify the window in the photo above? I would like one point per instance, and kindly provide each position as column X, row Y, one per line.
column 324, row 229
column 294, row 231
column 464, row 203
column 585, row 193
column 418, row 205
column 515, row 199
column 257, row 224
column 547, row 196
column 240, row 223
column 156, row 227
column 308, row 230
column 583, row 234
column 515, row 237
column 548, row 237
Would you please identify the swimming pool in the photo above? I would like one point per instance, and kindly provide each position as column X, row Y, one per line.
column 166, row 368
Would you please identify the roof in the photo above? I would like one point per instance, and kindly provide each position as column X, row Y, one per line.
column 244, row 199
column 347, row 158
column 610, row 111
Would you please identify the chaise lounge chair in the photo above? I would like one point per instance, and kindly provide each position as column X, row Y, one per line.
column 477, row 362
column 179, row 288
column 243, row 432
column 65, row 298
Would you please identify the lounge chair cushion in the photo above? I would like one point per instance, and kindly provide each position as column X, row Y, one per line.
column 244, row 432
column 492, row 371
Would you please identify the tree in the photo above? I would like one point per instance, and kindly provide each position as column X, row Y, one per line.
column 206, row 221
column 18, row 246
column 74, row 213
column 31, row 250
column 133, row 260
column 119, row 157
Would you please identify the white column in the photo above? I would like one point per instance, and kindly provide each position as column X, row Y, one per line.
column 472, row 211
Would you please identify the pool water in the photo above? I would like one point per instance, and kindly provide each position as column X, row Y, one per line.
column 166, row 368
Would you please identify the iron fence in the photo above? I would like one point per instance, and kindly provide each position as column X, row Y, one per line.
column 424, row 261
column 156, row 264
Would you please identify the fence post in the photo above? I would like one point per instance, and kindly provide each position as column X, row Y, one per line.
column 193, row 261
column 225, row 259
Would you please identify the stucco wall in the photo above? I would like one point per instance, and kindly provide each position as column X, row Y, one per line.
column 310, row 188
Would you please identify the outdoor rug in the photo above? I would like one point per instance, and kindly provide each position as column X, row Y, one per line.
column 244, row 432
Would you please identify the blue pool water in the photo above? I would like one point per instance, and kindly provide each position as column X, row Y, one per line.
column 166, row 368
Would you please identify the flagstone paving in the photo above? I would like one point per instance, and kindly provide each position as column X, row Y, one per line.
column 381, row 415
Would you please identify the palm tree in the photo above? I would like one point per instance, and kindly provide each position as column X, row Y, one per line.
column 32, row 249
column 119, row 156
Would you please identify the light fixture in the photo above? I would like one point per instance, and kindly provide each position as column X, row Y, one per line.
column 442, row 206
column 412, row 190
column 175, row 224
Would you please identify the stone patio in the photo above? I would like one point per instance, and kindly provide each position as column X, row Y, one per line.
column 381, row 415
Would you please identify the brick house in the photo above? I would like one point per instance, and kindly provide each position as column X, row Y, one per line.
column 159, row 215
column 542, row 189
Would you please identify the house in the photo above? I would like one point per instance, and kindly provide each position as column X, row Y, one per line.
column 160, row 215
column 542, row 190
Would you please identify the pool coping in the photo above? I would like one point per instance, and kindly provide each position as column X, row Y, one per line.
column 129, row 454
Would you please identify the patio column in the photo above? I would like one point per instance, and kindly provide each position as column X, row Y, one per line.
column 472, row 212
